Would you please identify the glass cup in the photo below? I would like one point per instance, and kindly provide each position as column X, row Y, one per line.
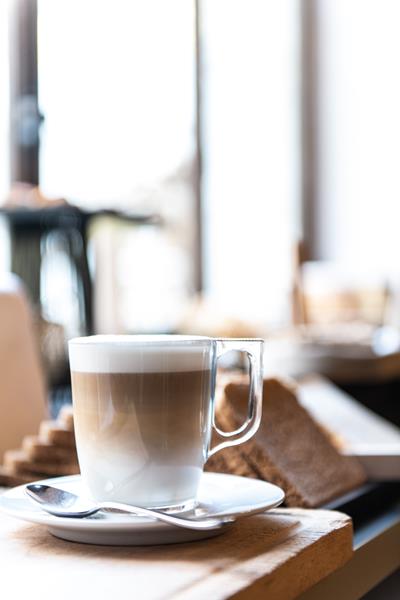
column 144, row 414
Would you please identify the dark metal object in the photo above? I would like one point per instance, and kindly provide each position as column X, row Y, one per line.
column 25, row 116
column 309, row 126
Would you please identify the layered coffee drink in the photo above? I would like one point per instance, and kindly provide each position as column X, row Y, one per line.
column 143, row 414
column 142, row 417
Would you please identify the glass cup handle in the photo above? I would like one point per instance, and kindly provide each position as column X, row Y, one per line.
column 254, row 351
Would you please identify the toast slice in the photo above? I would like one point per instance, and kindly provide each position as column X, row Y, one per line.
column 56, row 434
column 233, row 462
column 289, row 449
column 10, row 479
column 66, row 417
column 39, row 450
column 17, row 462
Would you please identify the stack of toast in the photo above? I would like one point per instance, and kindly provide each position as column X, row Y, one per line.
column 290, row 449
column 50, row 453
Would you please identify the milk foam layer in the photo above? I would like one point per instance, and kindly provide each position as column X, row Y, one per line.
column 139, row 353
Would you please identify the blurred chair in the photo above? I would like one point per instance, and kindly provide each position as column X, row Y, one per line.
column 22, row 389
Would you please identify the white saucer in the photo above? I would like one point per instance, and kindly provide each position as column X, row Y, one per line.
column 218, row 495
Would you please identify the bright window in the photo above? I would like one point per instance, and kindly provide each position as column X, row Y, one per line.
column 251, row 180
column 116, row 86
column 117, row 89
column 359, row 139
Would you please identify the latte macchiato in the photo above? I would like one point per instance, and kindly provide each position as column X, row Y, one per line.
column 143, row 414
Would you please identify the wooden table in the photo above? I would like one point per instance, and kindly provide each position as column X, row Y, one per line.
column 276, row 555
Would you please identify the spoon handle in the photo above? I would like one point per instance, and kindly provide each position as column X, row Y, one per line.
column 203, row 524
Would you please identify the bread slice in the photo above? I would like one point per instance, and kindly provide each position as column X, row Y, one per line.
column 51, row 453
column 10, row 479
column 289, row 448
column 39, row 450
column 17, row 462
column 55, row 433
column 66, row 417
column 234, row 462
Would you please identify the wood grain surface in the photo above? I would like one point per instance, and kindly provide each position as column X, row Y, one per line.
column 276, row 555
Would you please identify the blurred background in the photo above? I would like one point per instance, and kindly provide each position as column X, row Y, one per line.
column 219, row 168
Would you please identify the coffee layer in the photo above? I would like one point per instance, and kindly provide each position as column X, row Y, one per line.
column 140, row 354
column 142, row 438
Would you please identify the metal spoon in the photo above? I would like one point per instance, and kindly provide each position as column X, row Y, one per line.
column 65, row 504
